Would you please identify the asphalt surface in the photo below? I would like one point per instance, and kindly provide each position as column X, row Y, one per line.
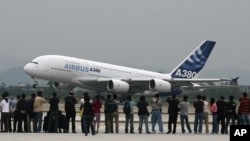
column 121, row 136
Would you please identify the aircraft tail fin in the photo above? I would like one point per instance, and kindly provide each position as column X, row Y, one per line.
column 234, row 81
column 191, row 66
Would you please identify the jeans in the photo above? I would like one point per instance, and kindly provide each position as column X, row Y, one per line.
column 88, row 122
column 129, row 119
column 72, row 116
column 156, row 117
column 184, row 119
column 215, row 127
column 198, row 121
column 22, row 121
column 29, row 119
column 229, row 117
column 143, row 118
column 245, row 119
column 5, row 117
column 37, row 124
column 221, row 120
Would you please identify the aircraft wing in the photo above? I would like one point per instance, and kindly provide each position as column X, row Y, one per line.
column 178, row 82
column 207, row 83
column 138, row 85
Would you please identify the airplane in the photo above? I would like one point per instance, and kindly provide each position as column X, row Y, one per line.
column 67, row 73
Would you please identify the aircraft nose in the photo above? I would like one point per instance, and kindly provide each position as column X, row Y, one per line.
column 27, row 69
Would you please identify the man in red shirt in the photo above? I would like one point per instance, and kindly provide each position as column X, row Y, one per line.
column 244, row 110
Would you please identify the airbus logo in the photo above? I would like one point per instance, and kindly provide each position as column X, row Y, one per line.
column 76, row 67
column 81, row 68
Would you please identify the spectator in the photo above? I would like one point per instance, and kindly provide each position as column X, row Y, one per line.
column 184, row 105
column 213, row 110
column 173, row 110
column 221, row 110
column 30, row 114
column 97, row 105
column 244, row 110
column 230, row 112
column 5, row 114
column 143, row 114
column 198, row 119
column 53, row 114
column 22, row 108
column 70, row 110
column 205, row 112
column 81, row 102
column 156, row 113
column 109, row 108
column 116, row 113
column 38, row 112
column 88, row 116
column 15, row 121
column 129, row 119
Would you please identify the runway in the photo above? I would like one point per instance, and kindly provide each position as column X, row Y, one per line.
column 110, row 137
column 121, row 136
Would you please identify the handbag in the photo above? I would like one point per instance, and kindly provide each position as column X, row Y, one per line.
column 81, row 111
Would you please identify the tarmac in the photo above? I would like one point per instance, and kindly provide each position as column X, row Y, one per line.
column 121, row 136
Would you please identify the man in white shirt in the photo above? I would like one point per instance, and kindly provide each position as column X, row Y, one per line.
column 205, row 110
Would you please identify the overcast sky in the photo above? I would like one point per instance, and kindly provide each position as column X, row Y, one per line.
column 157, row 33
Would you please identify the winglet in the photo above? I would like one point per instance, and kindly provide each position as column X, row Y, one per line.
column 191, row 66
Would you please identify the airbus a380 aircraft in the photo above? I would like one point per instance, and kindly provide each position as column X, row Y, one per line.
column 69, row 72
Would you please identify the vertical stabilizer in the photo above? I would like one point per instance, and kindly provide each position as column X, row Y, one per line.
column 191, row 66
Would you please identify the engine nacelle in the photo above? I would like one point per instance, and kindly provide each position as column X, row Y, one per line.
column 117, row 86
column 63, row 86
column 159, row 85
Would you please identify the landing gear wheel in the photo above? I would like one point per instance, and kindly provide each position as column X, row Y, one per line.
column 35, row 86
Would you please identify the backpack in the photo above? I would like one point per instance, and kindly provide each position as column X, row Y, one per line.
column 126, row 108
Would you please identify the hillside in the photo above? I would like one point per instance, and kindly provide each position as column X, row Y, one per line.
column 14, row 76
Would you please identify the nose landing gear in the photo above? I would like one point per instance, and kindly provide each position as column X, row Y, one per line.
column 36, row 82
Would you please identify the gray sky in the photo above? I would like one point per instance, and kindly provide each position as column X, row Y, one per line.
column 157, row 33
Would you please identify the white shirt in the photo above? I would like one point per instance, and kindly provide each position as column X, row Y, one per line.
column 5, row 106
column 205, row 107
column 82, row 101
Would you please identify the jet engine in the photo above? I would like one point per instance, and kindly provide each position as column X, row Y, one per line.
column 117, row 86
column 63, row 86
column 159, row 85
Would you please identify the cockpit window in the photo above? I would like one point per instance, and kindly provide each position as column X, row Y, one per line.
column 33, row 62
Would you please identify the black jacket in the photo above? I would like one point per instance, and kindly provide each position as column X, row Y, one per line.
column 142, row 108
column 88, row 109
column 22, row 105
column 70, row 102
column 54, row 104
column 173, row 106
